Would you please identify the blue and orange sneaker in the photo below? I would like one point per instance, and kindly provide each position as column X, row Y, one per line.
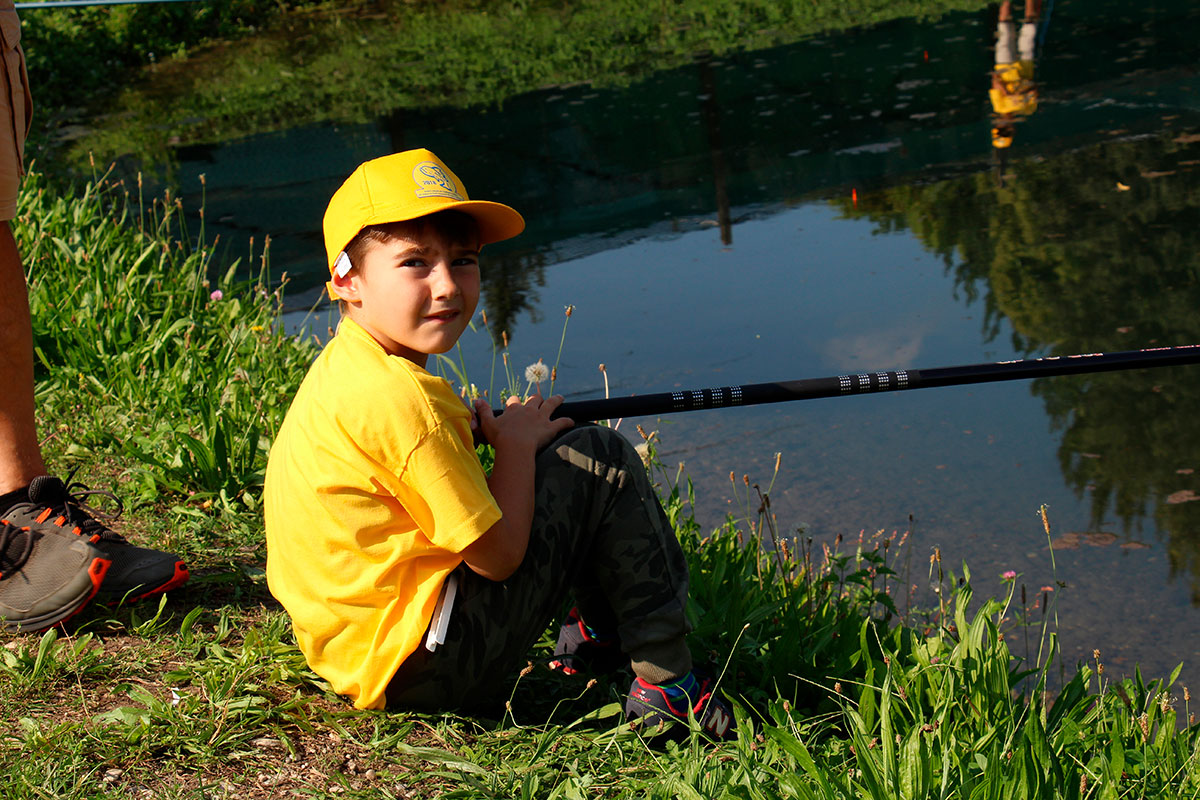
column 657, row 705
column 581, row 649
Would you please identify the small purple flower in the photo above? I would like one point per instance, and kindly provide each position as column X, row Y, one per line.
column 1009, row 575
column 217, row 294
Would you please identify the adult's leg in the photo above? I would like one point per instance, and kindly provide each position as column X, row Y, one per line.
column 28, row 497
column 599, row 531
column 20, row 456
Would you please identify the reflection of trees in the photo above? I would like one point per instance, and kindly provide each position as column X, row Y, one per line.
column 1077, row 263
column 510, row 282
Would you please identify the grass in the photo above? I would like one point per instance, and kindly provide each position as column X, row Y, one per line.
column 151, row 382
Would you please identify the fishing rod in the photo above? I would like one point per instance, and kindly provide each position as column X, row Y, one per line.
column 872, row 382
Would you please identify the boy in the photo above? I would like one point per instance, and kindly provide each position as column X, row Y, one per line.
column 412, row 578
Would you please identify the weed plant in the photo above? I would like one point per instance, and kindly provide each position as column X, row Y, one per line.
column 144, row 352
column 148, row 376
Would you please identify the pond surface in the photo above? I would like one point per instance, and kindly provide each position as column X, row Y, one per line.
column 833, row 206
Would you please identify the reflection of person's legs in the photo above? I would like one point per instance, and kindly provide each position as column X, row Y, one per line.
column 1027, row 41
column 1006, row 36
column 598, row 531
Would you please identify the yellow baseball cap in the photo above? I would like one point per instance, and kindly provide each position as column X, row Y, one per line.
column 405, row 186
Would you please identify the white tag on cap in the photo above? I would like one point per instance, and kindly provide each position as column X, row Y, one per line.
column 342, row 265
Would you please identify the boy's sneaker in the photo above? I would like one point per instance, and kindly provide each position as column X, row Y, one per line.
column 44, row 578
column 579, row 650
column 135, row 572
column 652, row 706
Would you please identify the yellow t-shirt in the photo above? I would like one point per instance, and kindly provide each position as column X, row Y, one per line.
column 372, row 491
column 1020, row 95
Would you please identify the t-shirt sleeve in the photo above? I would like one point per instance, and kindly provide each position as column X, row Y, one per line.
column 447, row 493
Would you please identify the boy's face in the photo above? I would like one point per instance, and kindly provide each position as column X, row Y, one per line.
column 415, row 293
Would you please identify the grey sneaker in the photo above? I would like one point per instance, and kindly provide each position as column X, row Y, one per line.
column 44, row 578
column 136, row 572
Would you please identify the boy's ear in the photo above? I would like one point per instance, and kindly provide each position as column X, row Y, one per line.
column 346, row 286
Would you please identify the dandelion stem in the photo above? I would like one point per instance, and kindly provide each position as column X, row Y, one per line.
column 562, row 339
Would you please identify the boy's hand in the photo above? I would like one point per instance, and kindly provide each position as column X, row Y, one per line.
column 523, row 425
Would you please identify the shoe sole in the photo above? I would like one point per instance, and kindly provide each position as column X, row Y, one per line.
column 179, row 578
column 96, row 572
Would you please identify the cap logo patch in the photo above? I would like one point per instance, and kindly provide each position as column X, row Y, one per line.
column 432, row 181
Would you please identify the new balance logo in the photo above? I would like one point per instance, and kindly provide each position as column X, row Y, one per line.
column 719, row 721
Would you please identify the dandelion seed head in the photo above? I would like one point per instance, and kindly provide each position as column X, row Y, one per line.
column 537, row 372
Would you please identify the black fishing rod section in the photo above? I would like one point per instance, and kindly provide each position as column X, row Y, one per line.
column 872, row 382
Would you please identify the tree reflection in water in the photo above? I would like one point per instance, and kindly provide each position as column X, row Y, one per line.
column 1091, row 251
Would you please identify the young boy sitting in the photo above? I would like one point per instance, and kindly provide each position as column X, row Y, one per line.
column 412, row 578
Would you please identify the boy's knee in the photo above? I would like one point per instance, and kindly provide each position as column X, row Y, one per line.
column 598, row 442
column 594, row 449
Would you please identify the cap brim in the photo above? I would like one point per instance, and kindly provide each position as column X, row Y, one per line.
column 496, row 221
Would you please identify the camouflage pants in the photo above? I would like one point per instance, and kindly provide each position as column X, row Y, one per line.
column 598, row 534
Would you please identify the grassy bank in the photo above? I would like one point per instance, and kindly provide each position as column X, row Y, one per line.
column 169, row 387
column 305, row 63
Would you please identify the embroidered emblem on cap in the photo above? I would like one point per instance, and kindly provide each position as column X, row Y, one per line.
column 432, row 181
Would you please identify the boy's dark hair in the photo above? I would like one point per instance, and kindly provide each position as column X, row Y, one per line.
column 457, row 226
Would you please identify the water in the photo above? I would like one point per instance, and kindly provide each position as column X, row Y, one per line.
column 835, row 206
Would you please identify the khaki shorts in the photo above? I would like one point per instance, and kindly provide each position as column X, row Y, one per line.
column 1010, row 47
column 16, row 110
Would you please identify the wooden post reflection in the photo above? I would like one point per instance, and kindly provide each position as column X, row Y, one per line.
column 710, row 113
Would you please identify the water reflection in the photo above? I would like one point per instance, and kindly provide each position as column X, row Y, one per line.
column 626, row 191
column 1091, row 251
column 1013, row 93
